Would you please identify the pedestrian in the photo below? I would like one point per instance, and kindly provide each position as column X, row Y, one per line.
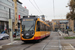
column 63, row 30
column 67, row 32
column 14, row 35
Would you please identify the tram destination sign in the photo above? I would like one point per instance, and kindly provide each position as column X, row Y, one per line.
column 27, row 19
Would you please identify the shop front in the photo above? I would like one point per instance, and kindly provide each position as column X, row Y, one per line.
column 3, row 26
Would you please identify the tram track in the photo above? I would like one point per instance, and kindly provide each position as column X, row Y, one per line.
column 34, row 44
column 21, row 46
column 46, row 45
column 28, row 46
column 59, row 43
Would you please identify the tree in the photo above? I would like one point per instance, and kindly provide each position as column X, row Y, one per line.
column 71, row 14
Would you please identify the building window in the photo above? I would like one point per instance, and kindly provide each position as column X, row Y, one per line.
column 2, row 7
column 6, row 8
column 12, row 11
column 6, row 2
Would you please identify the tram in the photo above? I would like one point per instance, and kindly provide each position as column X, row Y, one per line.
column 33, row 28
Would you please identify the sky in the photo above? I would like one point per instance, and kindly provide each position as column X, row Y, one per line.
column 46, row 8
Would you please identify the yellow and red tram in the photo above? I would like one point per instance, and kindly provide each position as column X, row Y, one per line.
column 33, row 28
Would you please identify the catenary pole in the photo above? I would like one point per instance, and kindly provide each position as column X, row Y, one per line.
column 10, row 25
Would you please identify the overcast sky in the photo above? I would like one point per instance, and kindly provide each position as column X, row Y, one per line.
column 46, row 7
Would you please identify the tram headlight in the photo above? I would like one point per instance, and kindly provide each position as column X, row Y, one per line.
column 32, row 33
column 22, row 34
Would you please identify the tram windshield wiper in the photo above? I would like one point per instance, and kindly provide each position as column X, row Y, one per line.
column 31, row 27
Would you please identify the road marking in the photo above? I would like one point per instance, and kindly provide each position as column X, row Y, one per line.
column 11, row 43
column 0, row 47
column 56, row 46
column 8, row 44
column 72, row 47
column 60, row 47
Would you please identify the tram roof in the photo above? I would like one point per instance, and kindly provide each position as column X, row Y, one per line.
column 31, row 16
column 43, row 22
column 35, row 17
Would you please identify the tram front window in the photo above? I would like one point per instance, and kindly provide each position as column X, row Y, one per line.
column 28, row 25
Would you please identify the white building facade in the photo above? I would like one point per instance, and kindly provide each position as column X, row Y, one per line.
column 22, row 11
column 4, row 13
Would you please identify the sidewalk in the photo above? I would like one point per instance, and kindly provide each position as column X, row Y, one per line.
column 67, row 47
column 17, row 37
column 63, row 34
column 7, row 42
column 71, row 34
column 67, row 44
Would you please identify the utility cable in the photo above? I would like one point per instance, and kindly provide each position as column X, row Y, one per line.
column 37, row 6
column 34, row 6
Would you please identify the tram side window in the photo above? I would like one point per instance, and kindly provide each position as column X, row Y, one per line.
column 38, row 26
column 48, row 28
column 44, row 27
column 41, row 26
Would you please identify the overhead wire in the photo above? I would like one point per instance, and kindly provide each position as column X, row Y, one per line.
column 34, row 6
column 37, row 6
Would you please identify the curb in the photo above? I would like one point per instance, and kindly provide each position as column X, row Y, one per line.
column 60, row 33
column 0, row 47
column 72, row 47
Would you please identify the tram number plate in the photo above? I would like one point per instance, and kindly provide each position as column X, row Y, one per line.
column 27, row 34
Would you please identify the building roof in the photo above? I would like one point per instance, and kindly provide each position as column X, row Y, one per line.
column 58, row 19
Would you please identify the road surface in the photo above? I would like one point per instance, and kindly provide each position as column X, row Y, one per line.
column 50, row 43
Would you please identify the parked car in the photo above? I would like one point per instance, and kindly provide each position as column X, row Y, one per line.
column 4, row 36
